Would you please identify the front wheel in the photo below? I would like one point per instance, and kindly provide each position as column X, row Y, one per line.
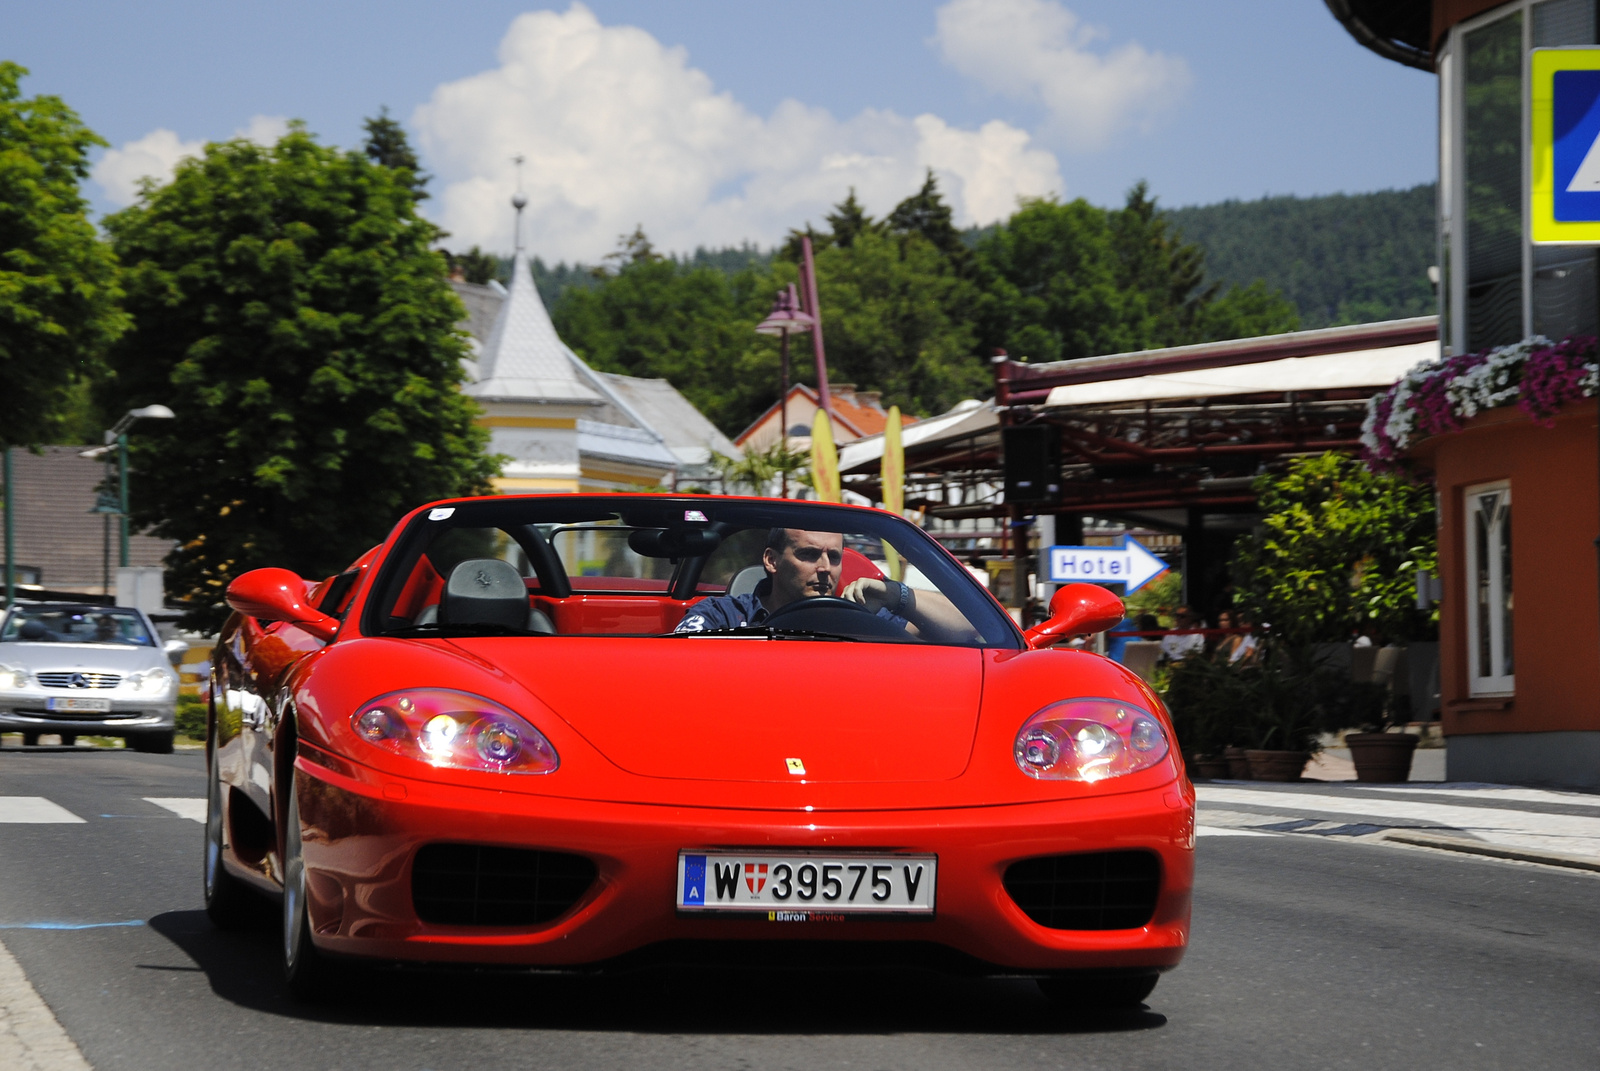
column 152, row 743
column 309, row 973
column 229, row 902
column 1127, row 991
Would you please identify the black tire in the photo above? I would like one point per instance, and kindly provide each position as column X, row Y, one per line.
column 230, row 903
column 69, row 739
column 152, row 743
column 1128, row 991
column 30, row 739
column 310, row 975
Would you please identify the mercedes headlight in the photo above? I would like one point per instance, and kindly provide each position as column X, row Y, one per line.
column 151, row 682
column 13, row 678
column 1089, row 740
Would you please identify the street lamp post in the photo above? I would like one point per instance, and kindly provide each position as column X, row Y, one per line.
column 785, row 319
column 116, row 438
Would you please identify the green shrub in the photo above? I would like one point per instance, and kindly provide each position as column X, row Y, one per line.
column 190, row 718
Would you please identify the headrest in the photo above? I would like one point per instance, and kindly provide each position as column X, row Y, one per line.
column 484, row 591
column 746, row 579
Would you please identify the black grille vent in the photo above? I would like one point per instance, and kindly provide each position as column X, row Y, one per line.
column 1093, row 891
column 472, row 885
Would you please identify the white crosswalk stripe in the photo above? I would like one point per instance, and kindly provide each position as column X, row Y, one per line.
column 182, row 806
column 34, row 810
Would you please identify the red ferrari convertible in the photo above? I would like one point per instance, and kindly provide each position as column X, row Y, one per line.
column 581, row 732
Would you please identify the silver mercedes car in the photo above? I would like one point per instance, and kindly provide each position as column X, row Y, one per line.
column 94, row 670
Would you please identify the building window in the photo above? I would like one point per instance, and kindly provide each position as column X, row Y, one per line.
column 1490, row 666
column 1493, row 142
column 1495, row 286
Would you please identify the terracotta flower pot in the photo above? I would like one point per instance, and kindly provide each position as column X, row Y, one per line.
column 1277, row 765
column 1211, row 768
column 1384, row 757
column 1238, row 765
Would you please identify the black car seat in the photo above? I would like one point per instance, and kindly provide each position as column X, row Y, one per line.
column 488, row 591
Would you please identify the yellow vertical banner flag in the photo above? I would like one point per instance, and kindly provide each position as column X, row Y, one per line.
column 824, row 460
column 894, row 483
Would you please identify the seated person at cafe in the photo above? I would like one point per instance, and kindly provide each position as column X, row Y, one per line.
column 1176, row 647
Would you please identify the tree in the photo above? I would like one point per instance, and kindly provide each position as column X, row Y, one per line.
column 475, row 265
column 58, row 281
column 1060, row 281
column 1338, row 549
column 288, row 308
column 848, row 219
column 388, row 146
column 647, row 315
column 925, row 213
column 893, row 315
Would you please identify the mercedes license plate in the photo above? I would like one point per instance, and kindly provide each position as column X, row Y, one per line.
column 806, row 887
column 71, row 702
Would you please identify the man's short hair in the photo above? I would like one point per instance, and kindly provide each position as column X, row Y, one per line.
column 778, row 539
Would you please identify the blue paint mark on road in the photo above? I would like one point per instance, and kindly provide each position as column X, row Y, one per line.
column 67, row 925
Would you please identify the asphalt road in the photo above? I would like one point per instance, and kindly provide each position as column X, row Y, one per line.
column 1307, row 953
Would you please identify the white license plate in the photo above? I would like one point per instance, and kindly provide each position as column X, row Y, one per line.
column 806, row 887
column 93, row 706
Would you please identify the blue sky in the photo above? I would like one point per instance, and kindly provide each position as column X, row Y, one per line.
column 714, row 120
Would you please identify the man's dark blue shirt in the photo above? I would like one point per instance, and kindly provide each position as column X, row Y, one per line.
column 737, row 611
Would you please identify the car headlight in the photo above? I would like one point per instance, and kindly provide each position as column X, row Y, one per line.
column 1089, row 740
column 150, row 681
column 13, row 678
column 454, row 729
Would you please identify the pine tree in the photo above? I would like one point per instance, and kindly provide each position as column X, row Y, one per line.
column 388, row 146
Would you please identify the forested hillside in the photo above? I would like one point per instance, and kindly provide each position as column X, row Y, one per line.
column 911, row 304
column 1345, row 258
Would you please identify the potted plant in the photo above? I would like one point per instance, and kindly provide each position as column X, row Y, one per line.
column 1381, row 749
column 1290, row 689
column 1207, row 699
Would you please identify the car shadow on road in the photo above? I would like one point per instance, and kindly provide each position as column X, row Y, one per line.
column 244, row 969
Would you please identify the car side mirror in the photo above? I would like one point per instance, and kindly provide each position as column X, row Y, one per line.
column 279, row 595
column 175, row 649
column 1076, row 610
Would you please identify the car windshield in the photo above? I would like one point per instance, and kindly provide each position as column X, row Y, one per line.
column 678, row 568
column 76, row 624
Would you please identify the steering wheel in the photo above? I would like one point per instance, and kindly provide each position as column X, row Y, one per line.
column 830, row 613
column 815, row 604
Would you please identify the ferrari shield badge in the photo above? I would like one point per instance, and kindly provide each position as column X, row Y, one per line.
column 796, row 767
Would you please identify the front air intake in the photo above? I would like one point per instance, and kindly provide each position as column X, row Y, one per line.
column 1092, row 891
column 473, row 885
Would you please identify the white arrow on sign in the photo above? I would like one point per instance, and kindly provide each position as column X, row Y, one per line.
column 1128, row 564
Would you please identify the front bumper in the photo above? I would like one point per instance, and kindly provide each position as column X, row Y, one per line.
column 362, row 830
column 27, row 711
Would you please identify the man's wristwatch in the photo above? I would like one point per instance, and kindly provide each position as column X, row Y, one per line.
column 902, row 597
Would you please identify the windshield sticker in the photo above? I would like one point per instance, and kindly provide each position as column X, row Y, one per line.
column 442, row 513
column 695, row 515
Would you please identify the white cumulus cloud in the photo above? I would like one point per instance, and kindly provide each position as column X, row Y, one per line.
column 156, row 154
column 1041, row 52
column 619, row 130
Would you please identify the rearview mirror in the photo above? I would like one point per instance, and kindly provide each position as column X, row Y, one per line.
column 1076, row 610
column 279, row 595
column 175, row 649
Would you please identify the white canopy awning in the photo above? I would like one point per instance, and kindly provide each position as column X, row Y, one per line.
column 1360, row 369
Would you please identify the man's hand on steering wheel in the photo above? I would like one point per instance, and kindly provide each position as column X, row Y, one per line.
column 876, row 594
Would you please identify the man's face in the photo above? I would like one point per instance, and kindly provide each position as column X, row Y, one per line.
column 808, row 566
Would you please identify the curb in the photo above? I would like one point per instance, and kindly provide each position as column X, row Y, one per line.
column 1496, row 851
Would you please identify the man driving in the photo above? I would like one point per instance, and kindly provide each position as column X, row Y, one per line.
column 805, row 565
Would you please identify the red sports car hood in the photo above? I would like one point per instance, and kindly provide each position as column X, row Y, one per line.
column 761, row 710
